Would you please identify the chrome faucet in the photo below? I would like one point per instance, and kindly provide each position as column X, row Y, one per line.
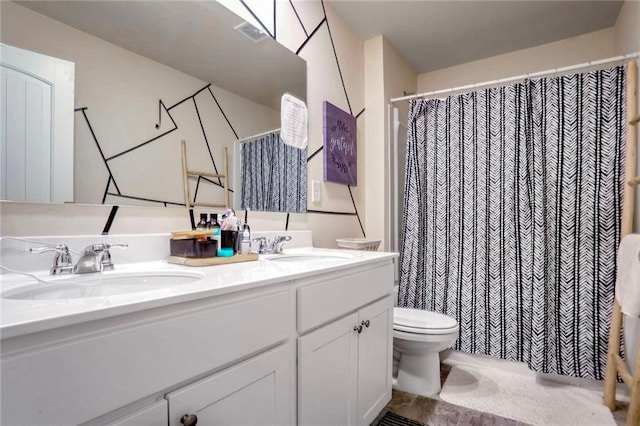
column 96, row 258
column 276, row 244
column 271, row 247
column 61, row 260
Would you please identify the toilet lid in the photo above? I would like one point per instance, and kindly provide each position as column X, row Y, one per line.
column 419, row 319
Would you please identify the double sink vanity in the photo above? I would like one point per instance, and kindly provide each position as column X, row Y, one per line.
column 303, row 337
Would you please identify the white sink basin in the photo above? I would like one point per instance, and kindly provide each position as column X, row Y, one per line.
column 308, row 257
column 100, row 285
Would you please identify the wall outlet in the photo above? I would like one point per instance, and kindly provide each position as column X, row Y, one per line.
column 316, row 191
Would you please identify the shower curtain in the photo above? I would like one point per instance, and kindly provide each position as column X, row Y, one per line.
column 512, row 217
column 273, row 175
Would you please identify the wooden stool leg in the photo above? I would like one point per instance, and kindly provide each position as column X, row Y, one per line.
column 611, row 378
column 633, row 416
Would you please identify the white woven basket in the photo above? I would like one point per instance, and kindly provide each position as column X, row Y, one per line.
column 358, row 244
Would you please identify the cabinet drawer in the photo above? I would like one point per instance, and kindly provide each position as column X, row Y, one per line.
column 106, row 370
column 323, row 301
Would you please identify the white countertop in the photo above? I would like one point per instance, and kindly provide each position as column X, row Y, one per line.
column 19, row 317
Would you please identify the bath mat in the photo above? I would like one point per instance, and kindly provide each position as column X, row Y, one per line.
column 523, row 398
column 392, row 419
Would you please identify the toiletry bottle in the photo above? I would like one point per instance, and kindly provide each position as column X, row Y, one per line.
column 202, row 225
column 215, row 227
column 246, row 239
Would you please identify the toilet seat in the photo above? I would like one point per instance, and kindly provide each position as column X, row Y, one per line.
column 417, row 321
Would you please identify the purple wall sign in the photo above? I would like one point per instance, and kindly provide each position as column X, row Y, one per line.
column 340, row 148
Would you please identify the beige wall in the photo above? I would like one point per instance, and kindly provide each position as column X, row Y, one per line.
column 627, row 40
column 627, row 28
column 325, row 77
column 400, row 80
column 387, row 75
column 325, row 83
column 375, row 133
column 571, row 51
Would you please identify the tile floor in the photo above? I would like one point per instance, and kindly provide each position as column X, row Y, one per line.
column 435, row 412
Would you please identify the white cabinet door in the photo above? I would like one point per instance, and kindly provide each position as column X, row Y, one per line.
column 327, row 373
column 375, row 357
column 254, row 392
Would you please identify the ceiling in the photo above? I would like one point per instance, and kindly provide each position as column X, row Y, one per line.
column 431, row 35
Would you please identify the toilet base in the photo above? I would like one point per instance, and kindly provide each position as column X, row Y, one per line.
column 419, row 374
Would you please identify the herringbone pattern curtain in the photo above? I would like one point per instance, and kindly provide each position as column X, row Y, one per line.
column 273, row 176
column 512, row 217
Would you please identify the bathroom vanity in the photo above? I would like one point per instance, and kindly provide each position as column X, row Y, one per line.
column 304, row 338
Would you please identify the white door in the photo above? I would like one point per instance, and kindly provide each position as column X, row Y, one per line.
column 375, row 357
column 327, row 374
column 36, row 126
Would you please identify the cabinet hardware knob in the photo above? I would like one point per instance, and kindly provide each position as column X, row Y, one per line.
column 189, row 420
column 366, row 323
column 357, row 328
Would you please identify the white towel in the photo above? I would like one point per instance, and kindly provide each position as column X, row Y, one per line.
column 628, row 282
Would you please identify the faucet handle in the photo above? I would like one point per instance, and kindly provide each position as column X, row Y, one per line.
column 107, row 264
column 61, row 260
column 262, row 244
column 278, row 242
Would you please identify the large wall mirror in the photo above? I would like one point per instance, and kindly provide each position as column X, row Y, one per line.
column 149, row 74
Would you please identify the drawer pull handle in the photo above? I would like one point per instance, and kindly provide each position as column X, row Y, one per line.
column 366, row 323
column 358, row 328
column 189, row 420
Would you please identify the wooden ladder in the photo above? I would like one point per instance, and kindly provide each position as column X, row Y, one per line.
column 615, row 364
column 185, row 180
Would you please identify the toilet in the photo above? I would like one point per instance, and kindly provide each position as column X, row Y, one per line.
column 418, row 338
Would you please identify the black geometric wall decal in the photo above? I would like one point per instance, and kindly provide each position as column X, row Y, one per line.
column 155, row 138
column 299, row 20
column 222, row 111
column 206, row 141
column 336, row 56
column 358, row 216
column 161, row 106
column 316, row 152
column 112, row 216
column 310, row 36
column 83, row 110
column 333, row 213
column 271, row 34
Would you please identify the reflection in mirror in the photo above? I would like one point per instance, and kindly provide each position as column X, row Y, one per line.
column 149, row 74
column 273, row 175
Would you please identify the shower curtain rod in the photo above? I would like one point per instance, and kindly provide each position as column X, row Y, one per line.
column 519, row 77
column 268, row 132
